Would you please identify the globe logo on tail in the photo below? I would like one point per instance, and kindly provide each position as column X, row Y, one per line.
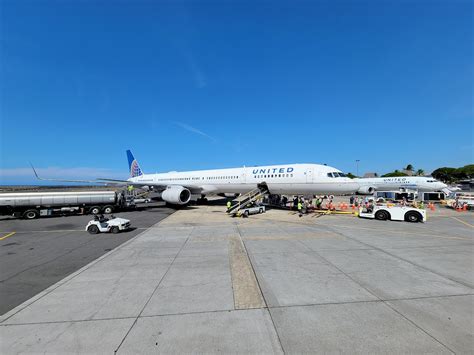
column 135, row 169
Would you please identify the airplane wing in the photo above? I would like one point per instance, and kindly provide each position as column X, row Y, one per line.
column 96, row 181
column 158, row 187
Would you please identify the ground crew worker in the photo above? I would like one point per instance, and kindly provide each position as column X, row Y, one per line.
column 295, row 202
column 319, row 202
column 300, row 208
column 422, row 205
column 229, row 205
column 130, row 189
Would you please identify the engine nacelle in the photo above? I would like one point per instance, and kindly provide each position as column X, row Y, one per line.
column 176, row 195
column 228, row 194
column 366, row 190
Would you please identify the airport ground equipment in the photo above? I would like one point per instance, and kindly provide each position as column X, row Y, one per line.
column 459, row 199
column 433, row 196
column 105, row 225
column 31, row 205
column 253, row 208
column 395, row 213
column 397, row 195
column 246, row 199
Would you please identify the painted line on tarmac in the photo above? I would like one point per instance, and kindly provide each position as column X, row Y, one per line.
column 460, row 220
column 7, row 236
column 245, row 287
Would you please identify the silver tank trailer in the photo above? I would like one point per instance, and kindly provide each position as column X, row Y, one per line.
column 33, row 204
column 50, row 199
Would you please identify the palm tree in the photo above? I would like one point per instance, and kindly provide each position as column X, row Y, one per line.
column 409, row 167
column 420, row 172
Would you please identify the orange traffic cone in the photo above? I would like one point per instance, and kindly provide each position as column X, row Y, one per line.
column 464, row 207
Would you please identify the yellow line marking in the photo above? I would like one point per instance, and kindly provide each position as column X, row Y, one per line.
column 460, row 220
column 247, row 293
column 8, row 235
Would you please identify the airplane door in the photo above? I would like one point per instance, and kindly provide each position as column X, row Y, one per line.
column 309, row 175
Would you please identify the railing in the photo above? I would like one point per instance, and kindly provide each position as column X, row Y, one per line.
column 247, row 198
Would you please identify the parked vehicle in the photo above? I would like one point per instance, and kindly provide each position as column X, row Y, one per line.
column 459, row 199
column 396, row 195
column 114, row 225
column 253, row 208
column 431, row 196
column 394, row 213
column 31, row 205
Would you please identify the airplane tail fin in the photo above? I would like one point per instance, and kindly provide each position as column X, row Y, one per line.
column 133, row 165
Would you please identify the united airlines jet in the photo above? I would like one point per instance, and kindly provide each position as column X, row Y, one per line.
column 420, row 183
column 291, row 179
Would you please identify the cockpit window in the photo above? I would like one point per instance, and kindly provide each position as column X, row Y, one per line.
column 336, row 174
column 330, row 175
column 342, row 175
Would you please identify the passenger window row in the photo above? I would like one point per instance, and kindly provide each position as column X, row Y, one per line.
column 272, row 176
column 198, row 178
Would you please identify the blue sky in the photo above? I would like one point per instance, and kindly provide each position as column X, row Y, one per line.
column 208, row 84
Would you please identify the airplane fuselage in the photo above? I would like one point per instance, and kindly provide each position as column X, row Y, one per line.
column 291, row 179
column 419, row 183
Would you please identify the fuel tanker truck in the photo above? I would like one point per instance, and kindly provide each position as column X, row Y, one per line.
column 30, row 205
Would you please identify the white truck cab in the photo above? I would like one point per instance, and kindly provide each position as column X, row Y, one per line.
column 394, row 213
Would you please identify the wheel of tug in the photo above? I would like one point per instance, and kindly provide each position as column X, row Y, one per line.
column 93, row 229
column 382, row 215
column 412, row 217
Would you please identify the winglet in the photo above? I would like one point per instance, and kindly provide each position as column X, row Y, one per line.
column 36, row 174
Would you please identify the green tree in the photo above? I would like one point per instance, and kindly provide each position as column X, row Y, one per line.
column 409, row 167
column 395, row 174
column 445, row 174
column 351, row 176
column 420, row 172
column 465, row 172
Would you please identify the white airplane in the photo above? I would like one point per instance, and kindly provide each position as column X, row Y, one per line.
column 369, row 185
column 292, row 179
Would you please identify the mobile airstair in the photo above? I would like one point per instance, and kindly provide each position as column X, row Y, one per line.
column 246, row 199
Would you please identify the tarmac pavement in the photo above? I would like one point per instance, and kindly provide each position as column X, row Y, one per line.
column 202, row 282
column 34, row 254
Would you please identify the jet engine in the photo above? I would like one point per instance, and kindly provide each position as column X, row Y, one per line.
column 228, row 194
column 366, row 190
column 176, row 195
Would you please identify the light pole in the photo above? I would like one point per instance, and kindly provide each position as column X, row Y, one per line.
column 357, row 167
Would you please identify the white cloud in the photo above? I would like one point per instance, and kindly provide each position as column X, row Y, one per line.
column 194, row 130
